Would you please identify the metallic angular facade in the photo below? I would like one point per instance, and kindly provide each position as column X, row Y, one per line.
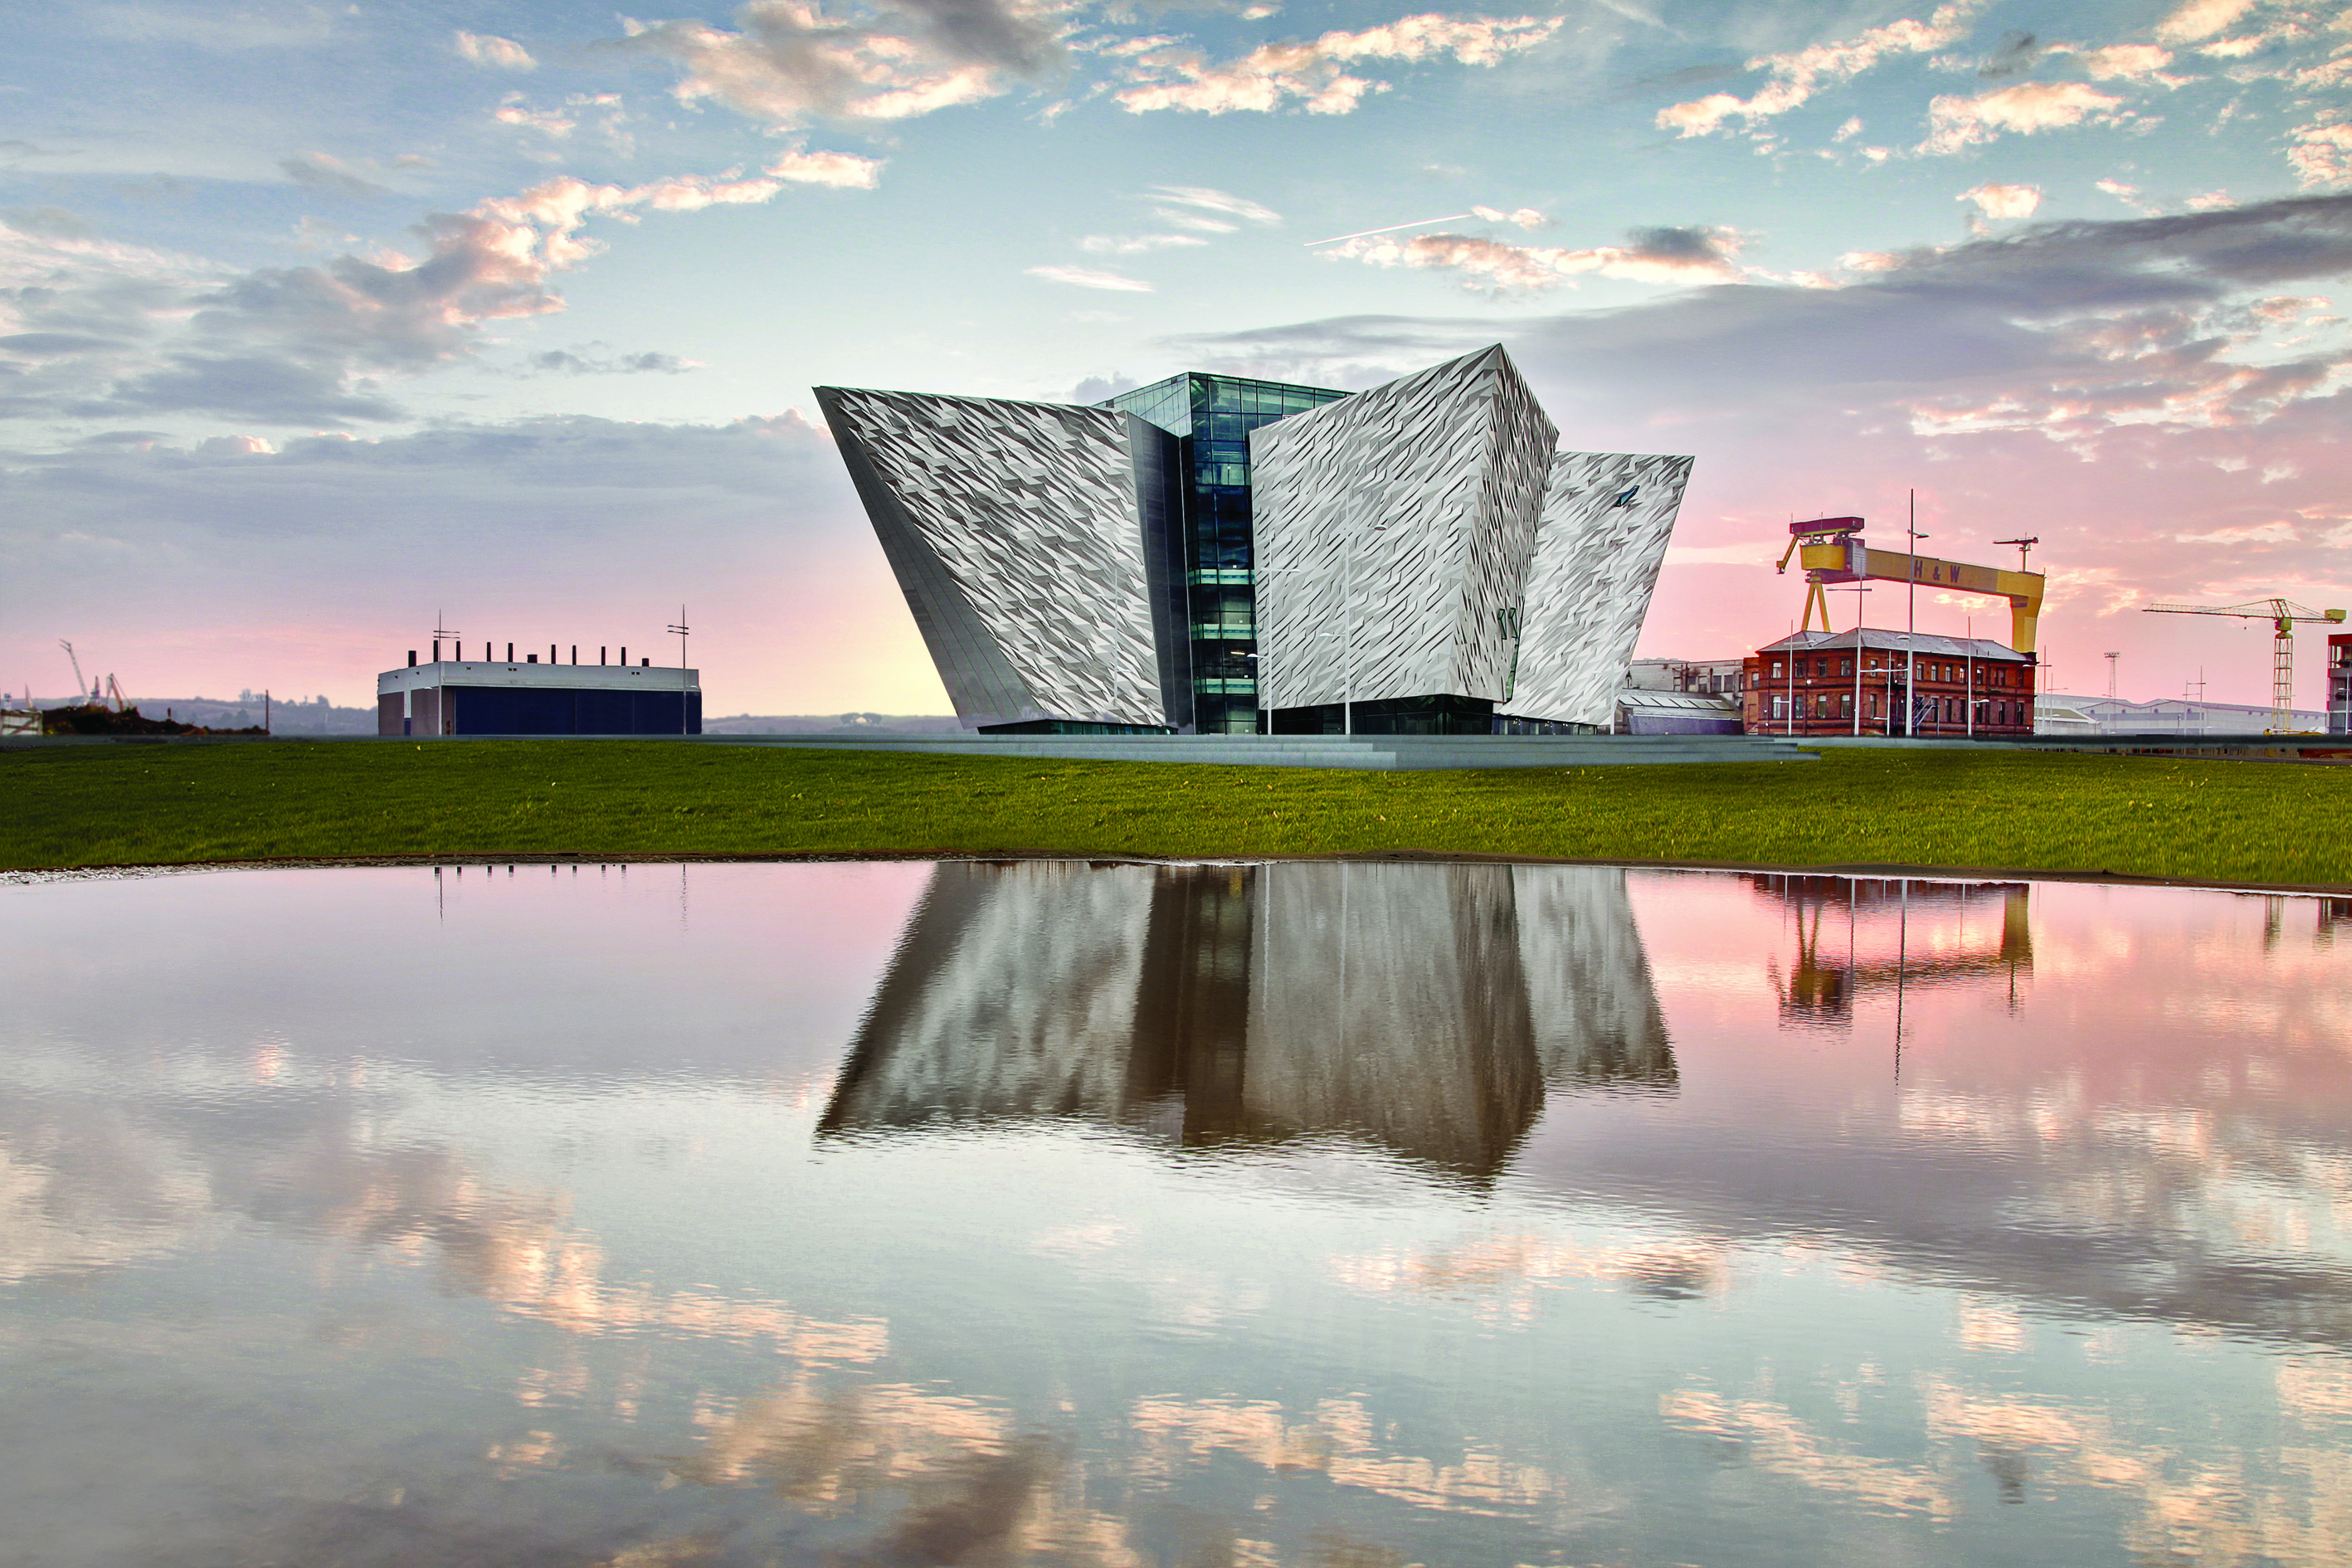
column 1606, row 519
column 1393, row 535
column 1221, row 554
column 1014, row 530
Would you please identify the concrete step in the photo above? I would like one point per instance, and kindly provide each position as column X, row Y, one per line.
column 1378, row 753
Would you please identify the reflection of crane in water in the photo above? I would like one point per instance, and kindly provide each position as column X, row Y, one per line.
column 1832, row 969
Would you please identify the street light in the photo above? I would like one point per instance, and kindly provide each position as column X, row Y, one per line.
column 678, row 631
column 1911, row 627
column 1858, row 590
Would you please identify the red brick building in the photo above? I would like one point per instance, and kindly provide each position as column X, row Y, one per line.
column 1845, row 683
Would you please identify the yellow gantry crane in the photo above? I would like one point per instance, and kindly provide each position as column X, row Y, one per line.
column 2282, row 615
column 1830, row 552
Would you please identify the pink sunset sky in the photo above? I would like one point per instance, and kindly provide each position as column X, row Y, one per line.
column 314, row 327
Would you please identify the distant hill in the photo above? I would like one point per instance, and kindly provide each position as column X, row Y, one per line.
column 318, row 716
column 832, row 725
column 297, row 717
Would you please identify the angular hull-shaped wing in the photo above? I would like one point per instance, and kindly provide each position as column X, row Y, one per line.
column 1394, row 530
column 1606, row 519
column 1013, row 529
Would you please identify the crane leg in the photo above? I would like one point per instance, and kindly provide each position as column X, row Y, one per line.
column 2282, row 682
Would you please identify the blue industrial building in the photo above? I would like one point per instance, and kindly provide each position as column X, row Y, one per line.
column 525, row 697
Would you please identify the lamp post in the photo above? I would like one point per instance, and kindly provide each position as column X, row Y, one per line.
column 1858, row 590
column 1911, row 627
column 441, row 722
column 678, row 631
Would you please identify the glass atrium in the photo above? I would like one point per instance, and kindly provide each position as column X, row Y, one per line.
column 1210, row 417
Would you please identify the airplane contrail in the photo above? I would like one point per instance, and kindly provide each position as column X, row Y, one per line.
column 1392, row 229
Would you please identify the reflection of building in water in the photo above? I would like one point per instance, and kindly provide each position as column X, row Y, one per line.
column 1856, row 935
column 2333, row 913
column 1595, row 1012
column 1421, row 1006
column 1388, row 999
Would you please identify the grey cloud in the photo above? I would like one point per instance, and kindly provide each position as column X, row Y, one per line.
column 55, row 223
column 1675, row 80
column 563, row 362
column 1683, row 244
column 271, row 389
column 44, row 344
column 987, row 32
column 2013, row 56
column 109, row 335
column 2116, row 316
column 321, row 174
column 393, row 316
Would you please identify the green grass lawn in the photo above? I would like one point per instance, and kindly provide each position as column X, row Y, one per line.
column 170, row 804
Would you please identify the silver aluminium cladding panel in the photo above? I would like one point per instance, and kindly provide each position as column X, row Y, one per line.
column 1011, row 528
column 1394, row 530
column 1606, row 519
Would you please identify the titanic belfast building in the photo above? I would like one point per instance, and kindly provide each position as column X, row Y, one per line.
column 1213, row 554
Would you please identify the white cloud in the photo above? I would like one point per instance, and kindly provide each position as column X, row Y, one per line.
column 1202, row 198
column 2130, row 62
column 1525, row 217
column 1654, row 256
column 1313, row 74
column 844, row 171
column 500, row 54
column 2195, row 19
column 1797, row 75
column 2004, row 201
column 2322, row 154
column 1088, row 277
column 1870, row 261
column 1955, row 122
column 112, row 331
column 1137, row 244
column 2211, row 201
column 792, row 62
column 2120, row 191
column 547, row 122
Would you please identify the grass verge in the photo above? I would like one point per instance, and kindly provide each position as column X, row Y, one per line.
column 158, row 804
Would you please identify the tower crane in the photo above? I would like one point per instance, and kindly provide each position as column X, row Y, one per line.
column 2284, row 615
column 78, row 698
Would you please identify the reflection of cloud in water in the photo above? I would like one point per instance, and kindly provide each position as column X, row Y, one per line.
column 2210, row 1505
column 1508, row 1270
column 974, row 1489
column 84, row 1187
column 1778, row 1443
column 1418, row 1007
column 1339, row 1441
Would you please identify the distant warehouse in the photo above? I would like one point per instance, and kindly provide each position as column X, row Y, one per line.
column 526, row 697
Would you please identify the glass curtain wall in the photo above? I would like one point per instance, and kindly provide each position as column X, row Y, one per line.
column 1212, row 416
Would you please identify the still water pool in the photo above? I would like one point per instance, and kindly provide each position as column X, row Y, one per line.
column 1316, row 1215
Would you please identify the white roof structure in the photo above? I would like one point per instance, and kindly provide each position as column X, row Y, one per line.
column 1877, row 639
